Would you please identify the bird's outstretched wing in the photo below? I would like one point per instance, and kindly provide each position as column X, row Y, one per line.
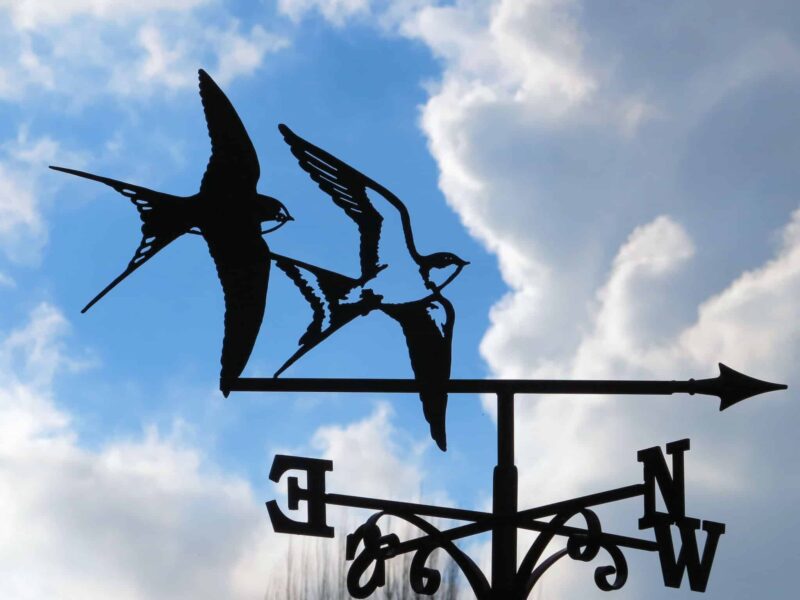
column 349, row 189
column 323, row 290
column 164, row 218
column 233, row 169
column 242, row 264
column 428, row 328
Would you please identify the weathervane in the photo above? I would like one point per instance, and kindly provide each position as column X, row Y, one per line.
column 406, row 285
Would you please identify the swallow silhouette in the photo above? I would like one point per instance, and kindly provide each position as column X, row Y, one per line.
column 227, row 212
column 395, row 278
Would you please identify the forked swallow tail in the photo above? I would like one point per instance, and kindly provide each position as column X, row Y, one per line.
column 164, row 218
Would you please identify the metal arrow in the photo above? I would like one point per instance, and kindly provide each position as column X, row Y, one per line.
column 729, row 386
column 732, row 387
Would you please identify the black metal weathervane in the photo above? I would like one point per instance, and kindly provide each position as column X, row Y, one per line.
column 228, row 212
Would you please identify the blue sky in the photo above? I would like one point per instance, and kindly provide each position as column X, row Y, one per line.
column 621, row 176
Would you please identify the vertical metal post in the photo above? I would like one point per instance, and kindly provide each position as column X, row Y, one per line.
column 504, row 503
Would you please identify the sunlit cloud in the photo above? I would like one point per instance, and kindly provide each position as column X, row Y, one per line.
column 146, row 514
column 86, row 49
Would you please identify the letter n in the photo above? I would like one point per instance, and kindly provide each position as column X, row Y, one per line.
column 670, row 485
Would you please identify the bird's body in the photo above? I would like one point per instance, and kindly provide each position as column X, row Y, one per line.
column 395, row 278
column 227, row 212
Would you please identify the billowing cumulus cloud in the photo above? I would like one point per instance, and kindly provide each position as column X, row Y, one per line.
column 139, row 517
column 754, row 321
column 121, row 521
column 384, row 468
column 553, row 148
column 631, row 168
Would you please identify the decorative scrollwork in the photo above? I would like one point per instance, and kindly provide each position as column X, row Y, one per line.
column 369, row 549
column 583, row 546
column 424, row 580
column 377, row 548
column 376, row 551
column 620, row 569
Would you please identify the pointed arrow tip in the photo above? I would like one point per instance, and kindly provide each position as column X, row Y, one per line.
column 734, row 387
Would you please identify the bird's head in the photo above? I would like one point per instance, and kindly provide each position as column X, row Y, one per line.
column 269, row 209
column 440, row 268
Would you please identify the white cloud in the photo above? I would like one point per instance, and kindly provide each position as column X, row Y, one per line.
column 134, row 519
column 522, row 126
column 566, row 431
column 560, row 129
column 35, row 152
column 172, row 54
column 335, row 11
column 572, row 446
column 161, row 64
column 629, row 302
column 23, row 160
column 136, row 48
column 22, row 232
column 37, row 14
column 239, row 55
column 526, row 53
column 382, row 468
column 143, row 517
column 754, row 321
column 557, row 134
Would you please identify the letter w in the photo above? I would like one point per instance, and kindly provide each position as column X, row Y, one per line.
column 688, row 559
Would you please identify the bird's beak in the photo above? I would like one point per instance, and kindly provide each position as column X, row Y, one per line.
column 286, row 216
column 283, row 215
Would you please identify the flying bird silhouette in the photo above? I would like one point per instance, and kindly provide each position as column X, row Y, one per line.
column 395, row 278
column 227, row 212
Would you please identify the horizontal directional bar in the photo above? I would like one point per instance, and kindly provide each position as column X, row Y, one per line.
column 730, row 386
column 522, row 518
column 393, row 506
column 615, row 495
column 617, row 540
column 457, row 386
column 565, row 530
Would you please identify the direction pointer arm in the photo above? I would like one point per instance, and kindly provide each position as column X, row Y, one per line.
column 731, row 386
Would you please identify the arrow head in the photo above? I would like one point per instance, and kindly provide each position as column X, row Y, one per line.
column 732, row 386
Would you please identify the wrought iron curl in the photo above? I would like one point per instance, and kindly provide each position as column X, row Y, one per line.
column 584, row 546
column 376, row 551
column 620, row 569
column 424, row 579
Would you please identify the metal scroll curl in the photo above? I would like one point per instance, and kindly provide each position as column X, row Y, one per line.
column 377, row 548
column 583, row 546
